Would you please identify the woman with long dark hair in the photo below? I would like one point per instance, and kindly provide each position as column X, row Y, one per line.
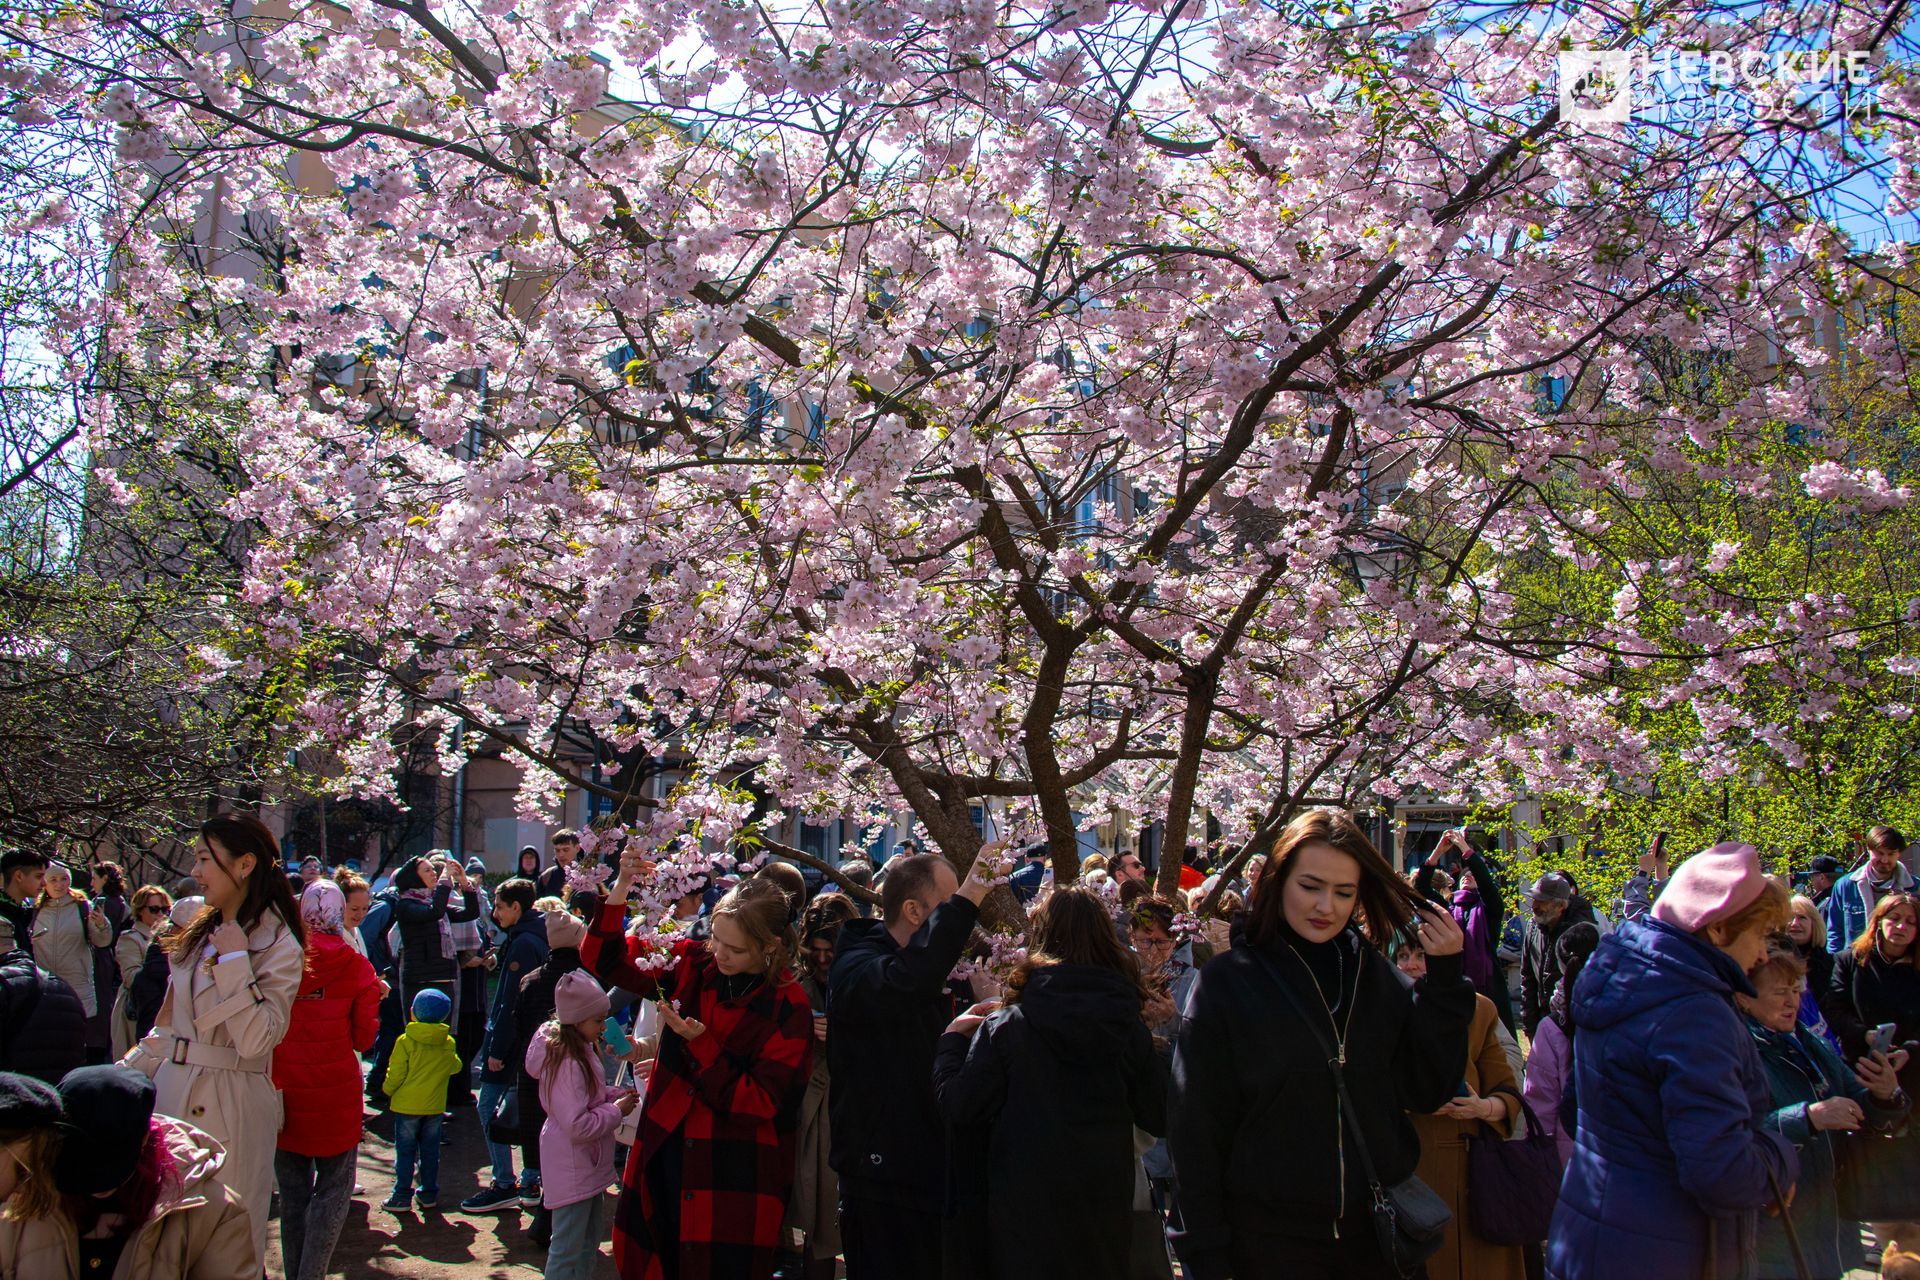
column 233, row 974
column 1271, row 1180
column 1060, row 1077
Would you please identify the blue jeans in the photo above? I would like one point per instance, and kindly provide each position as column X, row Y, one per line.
column 417, row 1137
column 491, row 1093
column 576, row 1239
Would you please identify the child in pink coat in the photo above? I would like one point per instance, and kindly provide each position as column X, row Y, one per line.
column 576, row 1142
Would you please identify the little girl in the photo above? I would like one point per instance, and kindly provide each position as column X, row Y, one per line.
column 576, row 1142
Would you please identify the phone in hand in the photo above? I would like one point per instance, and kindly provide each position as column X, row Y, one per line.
column 1462, row 1091
column 617, row 1039
column 1880, row 1039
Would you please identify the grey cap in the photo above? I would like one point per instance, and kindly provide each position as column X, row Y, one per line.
column 1551, row 887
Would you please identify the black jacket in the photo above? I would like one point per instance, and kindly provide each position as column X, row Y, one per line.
column 521, row 956
column 1862, row 996
column 887, row 1005
column 148, row 990
column 42, row 1022
column 1062, row 1077
column 1258, row 1147
column 421, row 962
column 517, row 1023
column 1540, row 965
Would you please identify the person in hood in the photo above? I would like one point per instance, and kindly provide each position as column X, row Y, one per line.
column 232, row 975
column 98, row 1185
column 1061, row 1076
column 1672, row 1162
column 336, row 1015
column 1555, row 908
column 1270, row 1183
column 707, row 1177
column 423, row 1062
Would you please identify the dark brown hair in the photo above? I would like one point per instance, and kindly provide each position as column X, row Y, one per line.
column 1151, row 911
column 1073, row 926
column 267, row 888
column 1863, row 946
column 825, row 914
column 1386, row 902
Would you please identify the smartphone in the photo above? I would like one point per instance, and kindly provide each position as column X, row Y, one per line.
column 617, row 1039
column 1463, row 1091
column 1880, row 1039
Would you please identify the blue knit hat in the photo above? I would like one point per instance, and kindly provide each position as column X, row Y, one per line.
column 432, row 1005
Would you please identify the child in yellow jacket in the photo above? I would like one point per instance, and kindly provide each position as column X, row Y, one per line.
column 424, row 1061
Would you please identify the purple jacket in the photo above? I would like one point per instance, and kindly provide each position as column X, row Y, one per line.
column 1476, row 956
column 576, row 1142
column 1547, row 1070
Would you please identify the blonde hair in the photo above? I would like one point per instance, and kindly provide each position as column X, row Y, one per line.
column 1802, row 905
column 35, row 1196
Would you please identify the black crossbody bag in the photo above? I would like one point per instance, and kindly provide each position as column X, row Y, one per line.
column 1409, row 1218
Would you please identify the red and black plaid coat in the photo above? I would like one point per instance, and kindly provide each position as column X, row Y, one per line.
column 731, row 1097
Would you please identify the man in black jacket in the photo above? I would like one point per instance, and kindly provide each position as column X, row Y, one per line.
column 22, row 873
column 887, row 1004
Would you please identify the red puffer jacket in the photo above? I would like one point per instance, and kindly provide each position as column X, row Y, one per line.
column 335, row 1016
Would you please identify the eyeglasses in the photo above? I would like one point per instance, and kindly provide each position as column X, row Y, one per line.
column 154, row 908
column 1153, row 944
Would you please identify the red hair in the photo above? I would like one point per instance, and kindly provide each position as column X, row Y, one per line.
column 135, row 1198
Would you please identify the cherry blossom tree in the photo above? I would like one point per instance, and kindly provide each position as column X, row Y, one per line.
column 1078, row 407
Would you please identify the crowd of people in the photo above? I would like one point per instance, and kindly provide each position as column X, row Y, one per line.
column 1308, row 1065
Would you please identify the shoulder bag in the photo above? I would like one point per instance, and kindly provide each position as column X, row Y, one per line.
column 1512, row 1184
column 1409, row 1218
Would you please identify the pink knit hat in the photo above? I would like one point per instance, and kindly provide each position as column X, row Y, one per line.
column 564, row 929
column 1710, row 886
column 577, row 997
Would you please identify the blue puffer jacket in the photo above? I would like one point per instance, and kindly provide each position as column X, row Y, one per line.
column 1670, row 1149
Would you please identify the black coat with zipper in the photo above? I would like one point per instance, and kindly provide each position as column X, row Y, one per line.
column 1061, row 1078
column 1261, row 1159
column 423, row 962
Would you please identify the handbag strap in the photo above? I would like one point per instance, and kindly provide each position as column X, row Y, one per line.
column 1348, row 1113
column 1533, row 1121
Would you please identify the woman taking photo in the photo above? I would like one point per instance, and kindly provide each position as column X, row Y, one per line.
column 148, row 917
column 127, row 1193
column 1307, row 990
column 1875, row 983
column 1671, row 1163
column 707, row 1180
column 336, row 1016
column 1060, row 1077
column 428, row 956
column 231, row 981
column 1813, row 1096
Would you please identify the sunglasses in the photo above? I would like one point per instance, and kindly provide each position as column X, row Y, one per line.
column 154, row 909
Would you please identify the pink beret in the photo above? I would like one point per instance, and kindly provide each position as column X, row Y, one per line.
column 1711, row 886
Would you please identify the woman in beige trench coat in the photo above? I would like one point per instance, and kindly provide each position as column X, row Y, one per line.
column 235, row 971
